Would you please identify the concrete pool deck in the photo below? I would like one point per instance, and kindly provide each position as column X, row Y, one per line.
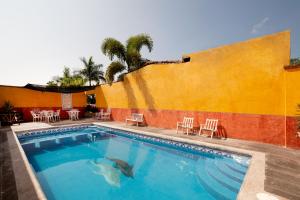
column 280, row 173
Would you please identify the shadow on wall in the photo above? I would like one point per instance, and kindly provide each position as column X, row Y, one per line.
column 129, row 94
column 221, row 132
column 100, row 97
column 148, row 98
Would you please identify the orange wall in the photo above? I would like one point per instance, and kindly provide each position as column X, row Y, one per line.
column 23, row 97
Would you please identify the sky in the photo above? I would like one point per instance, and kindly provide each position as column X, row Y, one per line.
column 39, row 37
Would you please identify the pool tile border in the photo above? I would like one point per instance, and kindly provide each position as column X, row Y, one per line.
column 198, row 148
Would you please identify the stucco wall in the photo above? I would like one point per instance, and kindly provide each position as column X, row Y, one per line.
column 244, row 77
column 25, row 100
column 242, row 85
column 292, row 100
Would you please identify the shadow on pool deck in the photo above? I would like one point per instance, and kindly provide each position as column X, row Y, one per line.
column 282, row 164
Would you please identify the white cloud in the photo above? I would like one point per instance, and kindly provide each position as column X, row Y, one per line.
column 259, row 25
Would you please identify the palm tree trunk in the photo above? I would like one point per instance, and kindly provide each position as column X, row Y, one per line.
column 90, row 82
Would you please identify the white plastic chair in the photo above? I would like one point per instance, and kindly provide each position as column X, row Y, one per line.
column 48, row 116
column 187, row 124
column 56, row 115
column 210, row 125
column 35, row 116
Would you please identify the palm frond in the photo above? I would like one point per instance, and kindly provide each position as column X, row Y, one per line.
column 134, row 60
column 112, row 70
column 112, row 47
column 83, row 59
column 135, row 43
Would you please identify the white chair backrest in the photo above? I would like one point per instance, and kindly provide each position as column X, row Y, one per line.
column 32, row 113
column 188, row 122
column 137, row 117
column 211, row 124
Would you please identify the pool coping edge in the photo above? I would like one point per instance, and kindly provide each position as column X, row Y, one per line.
column 253, row 182
column 20, row 183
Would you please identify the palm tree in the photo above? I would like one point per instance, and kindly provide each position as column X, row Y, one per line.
column 91, row 71
column 67, row 80
column 128, row 56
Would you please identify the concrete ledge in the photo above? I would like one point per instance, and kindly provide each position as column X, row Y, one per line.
column 28, row 186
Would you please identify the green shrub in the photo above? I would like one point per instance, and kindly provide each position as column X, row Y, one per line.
column 7, row 107
column 295, row 61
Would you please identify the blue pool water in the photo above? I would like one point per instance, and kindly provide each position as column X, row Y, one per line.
column 99, row 163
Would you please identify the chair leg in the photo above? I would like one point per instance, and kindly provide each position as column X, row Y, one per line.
column 212, row 134
column 200, row 131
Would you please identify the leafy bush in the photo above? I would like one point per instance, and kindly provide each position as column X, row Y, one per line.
column 92, row 109
column 7, row 107
column 295, row 61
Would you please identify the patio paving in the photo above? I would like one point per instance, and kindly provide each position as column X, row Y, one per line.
column 7, row 179
column 282, row 169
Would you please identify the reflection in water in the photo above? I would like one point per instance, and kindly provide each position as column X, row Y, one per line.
column 110, row 174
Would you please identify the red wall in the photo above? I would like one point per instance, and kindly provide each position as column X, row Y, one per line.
column 262, row 128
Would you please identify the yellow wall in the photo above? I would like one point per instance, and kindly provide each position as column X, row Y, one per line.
column 245, row 77
column 292, row 91
column 22, row 97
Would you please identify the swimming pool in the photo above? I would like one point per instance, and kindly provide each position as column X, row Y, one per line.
column 94, row 162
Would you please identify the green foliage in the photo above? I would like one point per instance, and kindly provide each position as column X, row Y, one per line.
column 128, row 57
column 67, row 80
column 112, row 47
column 92, row 109
column 92, row 71
column 52, row 83
column 7, row 107
column 91, row 99
column 114, row 68
column 295, row 61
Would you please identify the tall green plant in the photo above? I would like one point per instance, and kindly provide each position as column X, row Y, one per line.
column 7, row 107
column 128, row 57
column 92, row 71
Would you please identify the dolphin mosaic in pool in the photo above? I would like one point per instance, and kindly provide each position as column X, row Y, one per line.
column 125, row 168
